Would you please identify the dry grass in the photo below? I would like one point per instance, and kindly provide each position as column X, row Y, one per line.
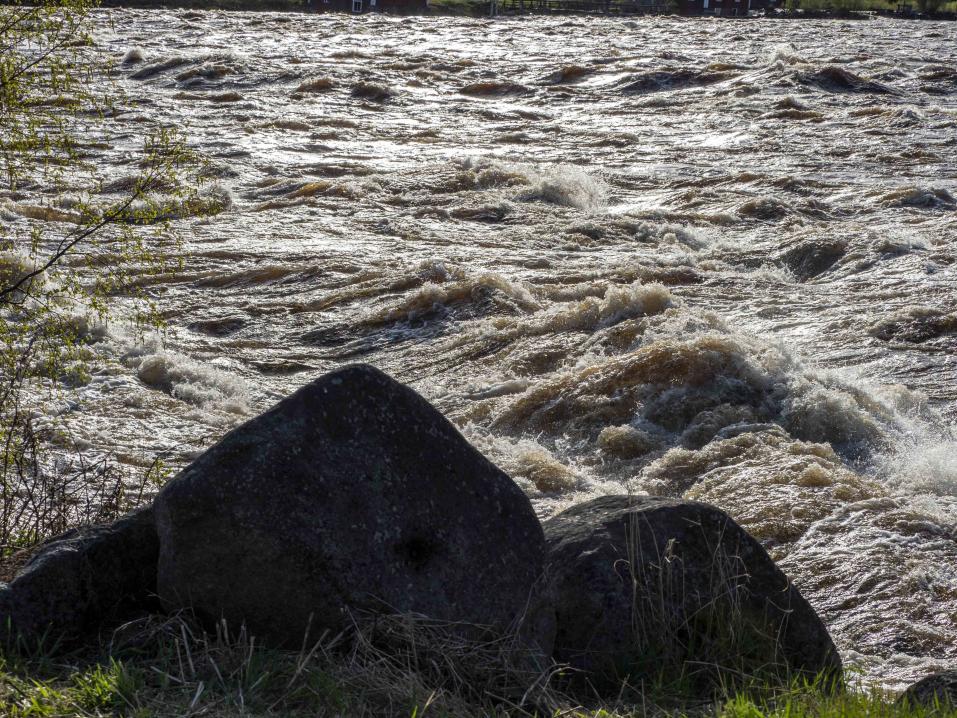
column 44, row 493
column 165, row 668
column 392, row 666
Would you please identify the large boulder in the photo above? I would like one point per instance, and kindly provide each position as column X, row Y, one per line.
column 651, row 589
column 352, row 496
column 81, row 581
column 936, row 692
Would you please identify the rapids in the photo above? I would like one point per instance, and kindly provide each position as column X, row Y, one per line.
column 688, row 257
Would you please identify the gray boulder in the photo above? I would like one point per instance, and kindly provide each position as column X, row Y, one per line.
column 935, row 692
column 352, row 496
column 653, row 588
column 80, row 581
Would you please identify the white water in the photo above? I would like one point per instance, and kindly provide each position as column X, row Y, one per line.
column 688, row 257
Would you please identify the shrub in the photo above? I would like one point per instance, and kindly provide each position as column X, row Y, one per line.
column 65, row 256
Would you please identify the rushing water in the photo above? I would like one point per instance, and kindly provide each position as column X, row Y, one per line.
column 688, row 257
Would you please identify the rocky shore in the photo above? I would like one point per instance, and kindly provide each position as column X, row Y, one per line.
column 353, row 502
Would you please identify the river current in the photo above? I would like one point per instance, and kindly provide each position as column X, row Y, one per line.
column 686, row 257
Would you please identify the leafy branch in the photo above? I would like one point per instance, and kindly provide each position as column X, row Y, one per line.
column 51, row 275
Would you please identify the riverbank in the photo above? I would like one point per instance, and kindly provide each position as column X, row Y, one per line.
column 531, row 618
column 455, row 8
column 166, row 671
column 812, row 10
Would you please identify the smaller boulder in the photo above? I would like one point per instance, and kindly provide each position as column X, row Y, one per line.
column 80, row 581
column 935, row 692
column 652, row 588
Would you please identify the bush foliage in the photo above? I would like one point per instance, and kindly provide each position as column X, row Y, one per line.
column 70, row 248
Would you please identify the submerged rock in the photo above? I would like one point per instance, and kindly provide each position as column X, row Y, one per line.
column 914, row 325
column 352, row 495
column 832, row 78
column 372, row 91
column 650, row 585
column 810, row 258
column 936, row 691
column 82, row 580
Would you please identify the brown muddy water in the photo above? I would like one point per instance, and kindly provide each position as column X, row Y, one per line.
column 685, row 257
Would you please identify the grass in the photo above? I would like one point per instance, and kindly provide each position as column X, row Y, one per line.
column 165, row 668
column 158, row 667
column 275, row 684
column 811, row 705
column 866, row 5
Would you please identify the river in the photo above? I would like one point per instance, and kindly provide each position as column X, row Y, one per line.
column 687, row 257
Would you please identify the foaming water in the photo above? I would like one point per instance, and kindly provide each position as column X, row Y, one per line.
column 694, row 262
column 188, row 380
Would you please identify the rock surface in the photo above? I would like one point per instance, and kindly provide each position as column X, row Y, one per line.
column 645, row 585
column 938, row 690
column 81, row 580
column 353, row 494
column 811, row 258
